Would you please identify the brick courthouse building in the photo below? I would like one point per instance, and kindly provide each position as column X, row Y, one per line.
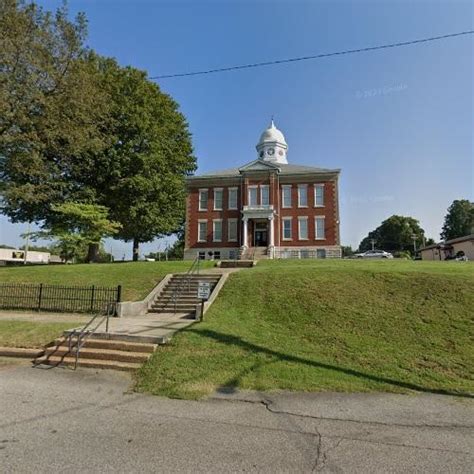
column 265, row 207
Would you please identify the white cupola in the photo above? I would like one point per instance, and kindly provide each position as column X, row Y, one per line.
column 272, row 145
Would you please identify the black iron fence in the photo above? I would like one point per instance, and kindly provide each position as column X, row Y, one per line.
column 74, row 299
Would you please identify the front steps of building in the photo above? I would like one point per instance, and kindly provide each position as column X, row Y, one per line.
column 98, row 353
column 235, row 263
column 255, row 253
column 184, row 289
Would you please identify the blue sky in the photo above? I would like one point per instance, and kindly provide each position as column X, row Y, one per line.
column 398, row 122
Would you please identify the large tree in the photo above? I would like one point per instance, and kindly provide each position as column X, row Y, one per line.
column 51, row 109
column 394, row 234
column 459, row 221
column 140, row 176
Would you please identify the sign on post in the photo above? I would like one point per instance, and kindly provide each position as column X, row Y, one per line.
column 204, row 290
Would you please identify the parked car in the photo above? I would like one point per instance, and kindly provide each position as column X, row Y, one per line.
column 374, row 254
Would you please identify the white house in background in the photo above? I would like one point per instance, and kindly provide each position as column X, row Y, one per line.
column 449, row 248
column 18, row 256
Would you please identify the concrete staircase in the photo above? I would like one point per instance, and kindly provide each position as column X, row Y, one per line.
column 255, row 253
column 98, row 353
column 186, row 288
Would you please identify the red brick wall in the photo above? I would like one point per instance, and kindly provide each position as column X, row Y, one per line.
column 194, row 215
column 329, row 210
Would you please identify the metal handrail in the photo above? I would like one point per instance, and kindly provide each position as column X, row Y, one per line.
column 194, row 269
column 85, row 332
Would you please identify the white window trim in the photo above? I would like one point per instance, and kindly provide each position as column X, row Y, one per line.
column 222, row 200
column 301, row 186
column 236, row 189
column 229, row 221
column 286, row 186
column 301, row 219
column 207, row 201
column 316, row 227
column 315, row 187
column 248, row 194
column 290, row 220
column 200, row 221
column 262, row 187
column 214, row 230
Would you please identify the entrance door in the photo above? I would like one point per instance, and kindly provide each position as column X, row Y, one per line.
column 261, row 238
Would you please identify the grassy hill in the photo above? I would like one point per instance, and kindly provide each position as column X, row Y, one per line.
column 327, row 325
column 137, row 278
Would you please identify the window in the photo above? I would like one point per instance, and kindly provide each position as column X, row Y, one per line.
column 303, row 228
column 319, row 195
column 217, row 254
column 232, row 198
column 287, row 228
column 286, row 196
column 302, row 195
column 252, row 195
column 232, row 255
column 202, row 231
column 320, row 225
column 265, row 195
column 218, row 199
column 202, row 255
column 203, row 195
column 217, row 230
column 232, row 230
column 304, row 253
column 320, row 253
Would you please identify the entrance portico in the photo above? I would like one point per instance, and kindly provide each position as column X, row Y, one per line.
column 258, row 227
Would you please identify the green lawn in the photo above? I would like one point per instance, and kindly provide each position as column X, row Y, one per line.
column 327, row 325
column 136, row 278
column 31, row 334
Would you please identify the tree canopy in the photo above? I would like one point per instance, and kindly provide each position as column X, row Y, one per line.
column 140, row 176
column 51, row 108
column 394, row 234
column 459, row 221
column 79, row 128
column 78, row 225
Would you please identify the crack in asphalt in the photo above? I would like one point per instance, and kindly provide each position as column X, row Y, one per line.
column 325, row 454
column 318, row 452
column 267, row 403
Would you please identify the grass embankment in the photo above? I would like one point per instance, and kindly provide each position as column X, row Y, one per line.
column 31, row 334
column 136, row 278
column 327, row 325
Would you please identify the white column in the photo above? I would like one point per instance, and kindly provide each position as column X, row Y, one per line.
column 271, row 240
column 271, row 231
column 245, row 237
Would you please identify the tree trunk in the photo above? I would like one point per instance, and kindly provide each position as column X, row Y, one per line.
column 92, row 253
column 136, row 245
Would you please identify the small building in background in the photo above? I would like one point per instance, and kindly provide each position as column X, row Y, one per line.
column 15, row 256
column 450, row 249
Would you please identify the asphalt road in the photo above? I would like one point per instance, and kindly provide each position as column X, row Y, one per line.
column 88, row 421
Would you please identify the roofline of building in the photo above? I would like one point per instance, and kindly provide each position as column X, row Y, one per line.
column 460, row 239
column 448, row 243
column 330, row 172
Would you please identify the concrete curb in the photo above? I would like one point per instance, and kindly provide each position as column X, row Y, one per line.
column 20, row 352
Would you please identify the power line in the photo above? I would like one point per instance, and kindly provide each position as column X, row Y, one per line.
column 316, row 56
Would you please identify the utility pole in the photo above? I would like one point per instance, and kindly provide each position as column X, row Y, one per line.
column 372, row 241
column 413, row 236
